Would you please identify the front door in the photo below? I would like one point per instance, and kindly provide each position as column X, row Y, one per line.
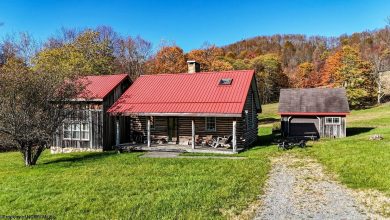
column 172, row 129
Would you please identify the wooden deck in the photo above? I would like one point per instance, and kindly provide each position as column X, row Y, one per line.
column 178, row 148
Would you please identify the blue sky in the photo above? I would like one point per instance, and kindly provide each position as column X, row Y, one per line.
column 191, row 23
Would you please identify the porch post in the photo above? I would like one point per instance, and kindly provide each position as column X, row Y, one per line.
column 234, row 136
column 148, row 127
column 117, row 134
column 193, row 133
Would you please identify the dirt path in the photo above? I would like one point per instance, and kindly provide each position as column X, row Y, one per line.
column 298, row 188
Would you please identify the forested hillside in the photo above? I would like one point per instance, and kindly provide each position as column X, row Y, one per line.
column 298, row 61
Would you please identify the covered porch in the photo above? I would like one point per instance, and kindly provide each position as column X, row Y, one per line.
column 200, row 134
column 177, row 148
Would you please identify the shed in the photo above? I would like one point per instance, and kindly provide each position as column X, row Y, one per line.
column 314, row 112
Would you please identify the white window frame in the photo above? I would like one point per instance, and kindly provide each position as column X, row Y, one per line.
column 333, row 121
column 79, row 131
column 84, row 131
column 67, row 130
column 206, row 123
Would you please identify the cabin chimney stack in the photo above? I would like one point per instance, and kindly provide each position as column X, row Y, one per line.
column 193, row 66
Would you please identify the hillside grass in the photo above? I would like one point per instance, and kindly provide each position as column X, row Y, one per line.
column 123, row 186
column 357, row 161
column 108, row 185
column 269, row 115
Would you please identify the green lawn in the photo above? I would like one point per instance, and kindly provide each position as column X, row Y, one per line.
column 269, row 114
column 359, row 162
column 108, row 185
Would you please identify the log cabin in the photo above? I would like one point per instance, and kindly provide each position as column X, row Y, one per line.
column 182, row 108
column 314, row 112
column 90, row 127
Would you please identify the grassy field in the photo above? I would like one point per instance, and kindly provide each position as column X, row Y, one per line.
column 269, row 115
column 108, row 185
column 359, row 162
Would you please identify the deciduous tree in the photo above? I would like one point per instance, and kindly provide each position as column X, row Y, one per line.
column 270, row 76
column 169, row 59
column 86, row 55
column 32, row 107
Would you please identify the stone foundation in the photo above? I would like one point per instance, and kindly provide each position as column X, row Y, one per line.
column 60, row 150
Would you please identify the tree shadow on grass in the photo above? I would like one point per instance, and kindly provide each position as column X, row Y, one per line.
column 263, row 141
column 79, row 157
column 358, row 130
column 268, row 120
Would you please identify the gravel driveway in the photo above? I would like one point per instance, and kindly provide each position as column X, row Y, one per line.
column 299, row 189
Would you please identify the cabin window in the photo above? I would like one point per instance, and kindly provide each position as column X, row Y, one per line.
column 211, row 124
column 332, row 120
column 67, row 131
column 76, row 131
column 226, row 81
column 85, row 131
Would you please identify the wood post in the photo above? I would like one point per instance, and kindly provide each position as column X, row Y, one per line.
column 90, row 128
column 193, row 133
column 234, row 136
column 149, row 144
column 345, row 126
column 117, row 133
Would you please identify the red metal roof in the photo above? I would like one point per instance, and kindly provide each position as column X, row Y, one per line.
column 98, row 87
column 186, row 93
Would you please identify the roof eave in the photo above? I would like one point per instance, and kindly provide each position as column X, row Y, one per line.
column 85, row 100
column 180, row 114
column 314, row 113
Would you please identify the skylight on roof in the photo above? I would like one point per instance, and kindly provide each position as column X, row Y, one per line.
column 226, row 81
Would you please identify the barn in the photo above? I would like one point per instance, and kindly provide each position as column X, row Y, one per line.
column 313, row 112
column 90, row 127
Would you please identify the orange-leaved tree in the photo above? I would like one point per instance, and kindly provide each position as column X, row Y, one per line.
column 169, row 59
column 345, row 68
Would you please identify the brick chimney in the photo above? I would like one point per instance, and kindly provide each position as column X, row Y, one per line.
column 193, row 66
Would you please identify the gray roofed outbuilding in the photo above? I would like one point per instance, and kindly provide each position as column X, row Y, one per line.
column 313, row 100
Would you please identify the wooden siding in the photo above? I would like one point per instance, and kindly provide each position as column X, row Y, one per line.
column 101, row 124
column 324, row 130
column 250, row 120
column 224, row 128
column 109, row 130
column 94, row 117
column 247, row 125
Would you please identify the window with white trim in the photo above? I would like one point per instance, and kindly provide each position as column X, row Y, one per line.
column 332, row 120
column 67, row 130
column 76, row 131
column 85, row 131
column 211, row 124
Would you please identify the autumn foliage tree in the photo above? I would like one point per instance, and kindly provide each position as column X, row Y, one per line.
column 87, row 54
column 270, row 76
column 345, row 68
column 32, row 105
column 306, row 76
column 330, row 74
column 169, row 59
